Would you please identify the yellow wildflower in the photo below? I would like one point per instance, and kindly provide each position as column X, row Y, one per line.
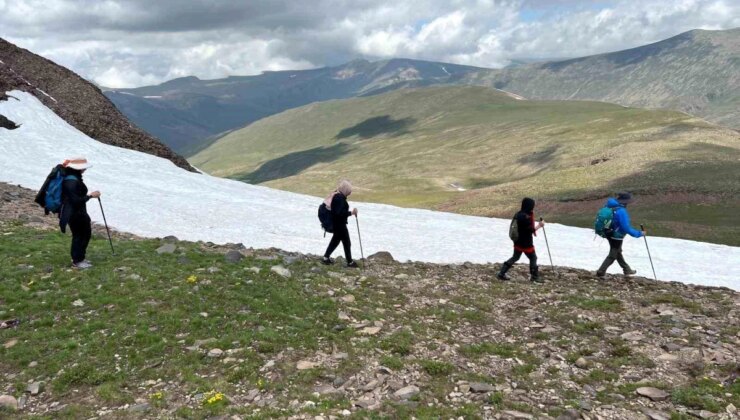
column 192, row 279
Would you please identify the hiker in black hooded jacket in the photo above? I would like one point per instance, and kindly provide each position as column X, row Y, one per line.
column 340, row 214
column 524, row 243
column 74, row 210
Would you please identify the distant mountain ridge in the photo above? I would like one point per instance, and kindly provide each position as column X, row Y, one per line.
column 697, row 72
column 76, row 100
column 185, row 112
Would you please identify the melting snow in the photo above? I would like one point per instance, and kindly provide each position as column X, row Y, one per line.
column 152, row 197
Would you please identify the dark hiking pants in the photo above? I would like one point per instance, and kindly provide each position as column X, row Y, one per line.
column 81, row 233
column 341, row 234
column 518, row 254
column 615, row 254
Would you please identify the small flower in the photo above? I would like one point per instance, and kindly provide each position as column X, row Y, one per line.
column 213, row 397
column 192, row 279
column 157, row 396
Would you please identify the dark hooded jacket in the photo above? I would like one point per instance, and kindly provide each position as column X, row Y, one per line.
column 525, row 222
column 339, row 210
column 74, row 199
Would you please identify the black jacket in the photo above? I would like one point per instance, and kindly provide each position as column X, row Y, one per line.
column 74, row 199
column 525, row 224
column 339, row 210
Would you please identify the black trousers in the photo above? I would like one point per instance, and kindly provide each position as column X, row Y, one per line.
column 615, row 254
column 81, row 233
column 341, row 234
column 533, row 270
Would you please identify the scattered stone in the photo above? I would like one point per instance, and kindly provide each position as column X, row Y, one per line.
column 348, row 299
column 170, row 238
column 8, row 401
column 215, row 353
column 78, row 303
column 731, row 409
column 35, row 388
column 343, row 316
column 280, row 270
column 667, row 357
column 654, row 394
column 326, row 390
column 134, row 277
column 305, row 365
column 233, row 256
column 139, row 408
column 655, row 414
column 367, row 404
column 582, row 363
column 10, row 343
column 33, row 364
column 481, row 387
column 633, row 336
column 511, row 414
column 168, row 248
column 407, row 392
column 570, row 414
column 382, row 256
column 369, row 330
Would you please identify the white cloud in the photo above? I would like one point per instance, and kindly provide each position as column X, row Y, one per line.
column 132, row 42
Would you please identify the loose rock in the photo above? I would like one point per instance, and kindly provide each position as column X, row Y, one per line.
column 654, row 394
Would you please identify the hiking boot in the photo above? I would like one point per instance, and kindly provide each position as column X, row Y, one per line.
column 327, row 261
column 600, row 276
column 352, row 264
column 630, row 272
column 503, row 277
column 536, row 279
column 82, row 265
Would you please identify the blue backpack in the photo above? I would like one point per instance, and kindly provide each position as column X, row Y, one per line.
column 603, row 223
column 53, row 198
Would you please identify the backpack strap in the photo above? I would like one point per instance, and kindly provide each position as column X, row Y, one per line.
column 71, row 178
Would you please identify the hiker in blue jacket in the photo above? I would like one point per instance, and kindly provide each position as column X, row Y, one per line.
column 619, row 228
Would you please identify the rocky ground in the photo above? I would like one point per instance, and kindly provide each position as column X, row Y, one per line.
column 194, row 330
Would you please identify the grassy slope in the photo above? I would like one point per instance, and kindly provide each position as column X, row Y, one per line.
column 127, row 343
column 406, row 148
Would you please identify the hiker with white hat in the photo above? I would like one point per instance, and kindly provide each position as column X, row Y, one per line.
column 74, row 209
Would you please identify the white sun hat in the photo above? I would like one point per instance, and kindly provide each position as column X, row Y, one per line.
column 78, row 163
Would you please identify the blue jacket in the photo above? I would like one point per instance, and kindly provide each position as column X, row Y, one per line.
column 621, row 221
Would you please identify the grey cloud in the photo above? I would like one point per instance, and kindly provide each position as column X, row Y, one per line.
column 147, row 41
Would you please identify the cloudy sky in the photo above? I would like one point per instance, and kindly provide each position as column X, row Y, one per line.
column 127, row 43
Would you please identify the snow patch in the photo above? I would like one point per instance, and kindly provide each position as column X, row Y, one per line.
column 153, row 97
column 512, row 95
column 445, row 70
column 150, row 196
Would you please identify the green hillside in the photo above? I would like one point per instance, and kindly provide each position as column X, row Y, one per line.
column 422, row 147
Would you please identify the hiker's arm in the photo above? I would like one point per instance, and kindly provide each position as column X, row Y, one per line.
column 72, row 192
column 625, row 226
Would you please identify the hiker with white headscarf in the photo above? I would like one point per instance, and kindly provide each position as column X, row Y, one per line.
column 337, row 204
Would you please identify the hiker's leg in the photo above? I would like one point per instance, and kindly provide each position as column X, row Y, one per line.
column 77, row 251
column 333, row 243
column 347, row 244
column 510, row 262
column 620, row 258
column 533, row 269
column 86, row 235
column 614, row 248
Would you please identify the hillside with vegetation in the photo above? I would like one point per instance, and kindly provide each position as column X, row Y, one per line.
column 697, row 72
column 477, row 150
column 173, row 329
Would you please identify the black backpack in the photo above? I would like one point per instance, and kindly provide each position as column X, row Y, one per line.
column 325, row 219
column 514, row 230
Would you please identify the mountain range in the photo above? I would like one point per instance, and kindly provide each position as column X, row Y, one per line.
column 697, row 72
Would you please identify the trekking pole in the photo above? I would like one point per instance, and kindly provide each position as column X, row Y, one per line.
column 106, row 227
column 642, row 228
column 548, row 248
column 362, row 253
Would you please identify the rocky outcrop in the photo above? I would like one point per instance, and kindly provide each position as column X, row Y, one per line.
column 76, row 100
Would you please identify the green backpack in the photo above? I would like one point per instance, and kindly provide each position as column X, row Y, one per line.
column 603, row 223
column 514, row 230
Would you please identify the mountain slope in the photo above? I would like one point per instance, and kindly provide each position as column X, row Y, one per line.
column 477, row 150
column 697, row 72
column 77, row 101
column 186, row 112
column 148, row 196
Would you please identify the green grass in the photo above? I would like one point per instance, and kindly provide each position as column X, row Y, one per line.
column 596, row 304
column 407, row 147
